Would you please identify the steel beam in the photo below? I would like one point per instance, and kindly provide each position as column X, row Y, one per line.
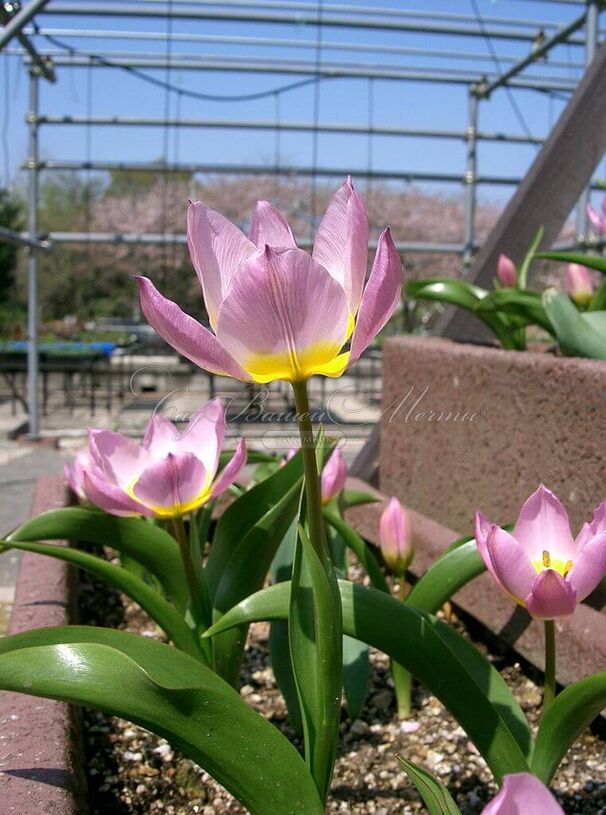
column 447, row 76
column 299, row 19
column 32, row 261
column 281, row 42
column 591, row 35
column 247, row 124
column 559, row 37
column 20, row 239
column 16, row 24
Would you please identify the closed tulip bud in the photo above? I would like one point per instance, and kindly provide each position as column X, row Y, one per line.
column 523, row 793
column 334, row 476
column 395, row 537
column 540, row 564
column 579, row 285
column 506, row 272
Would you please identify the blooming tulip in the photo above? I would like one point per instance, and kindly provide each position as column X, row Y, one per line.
column 395, row 537
column 598, row 219
column 506, row 272
column 334, row 476
column 579, row 284
column 74, row 472
column 540, row 565
column 169, row 474
column 523, row 794
column 277, row 312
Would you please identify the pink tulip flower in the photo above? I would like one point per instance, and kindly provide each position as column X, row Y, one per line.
column 170, row 474
column 579, row 285
column 598, row 219
column 277, row 312
column 334, row 476
column 74, row 472
column 540, row 565
column 523, row 794
column 506, row 272
column 395, row 537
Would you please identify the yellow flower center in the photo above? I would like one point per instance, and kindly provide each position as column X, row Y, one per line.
column 559, row 565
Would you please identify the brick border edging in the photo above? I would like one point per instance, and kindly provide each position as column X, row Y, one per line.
column 41, row 760
column 581, row 638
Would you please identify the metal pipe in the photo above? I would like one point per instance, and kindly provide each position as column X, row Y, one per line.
column 328, row 20
column 278, row 42
column 237, row 124
column 32, row 261
column 591, row 36
column 536, row 53
column 469, row 195
column 21, row 19
column 444, row 75
column 253, row 169
column 18, row 239
column 161, row 239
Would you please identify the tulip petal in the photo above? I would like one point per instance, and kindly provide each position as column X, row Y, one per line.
column 589, row 566
column 523, row 794
column 120, row 458
column 109, row 497
column 543, row 525
column 173, row 485
column 513, row 569
column 551, row 596
column 185, row 334
column 160, row 436
column 284, row 317
column 483, row 528
column 381, row 295
column 269, row 227
column 231, row 470
column 204, row 435
column 341, row 245
column 217, row 248
column 598, row 521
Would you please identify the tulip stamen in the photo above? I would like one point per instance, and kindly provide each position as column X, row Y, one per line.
column 546, row 559
column 567, row 568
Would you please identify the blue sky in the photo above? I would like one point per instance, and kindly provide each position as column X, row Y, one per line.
column 400, row 104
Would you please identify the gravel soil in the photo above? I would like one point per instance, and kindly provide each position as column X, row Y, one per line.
column 133, row 772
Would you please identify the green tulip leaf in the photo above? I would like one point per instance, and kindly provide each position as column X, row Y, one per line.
column 151, row 601
column 449, row 666
column 165, row 691
column 579, row 334
column 564, row 721
column 316, row 647
column 445, row 577
column 436, row 797
column 141, row 540
column 591, row 261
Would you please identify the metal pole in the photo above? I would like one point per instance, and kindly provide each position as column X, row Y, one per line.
column 470, row 178
column 16, row 23
column 591, row 44
column 32, row 261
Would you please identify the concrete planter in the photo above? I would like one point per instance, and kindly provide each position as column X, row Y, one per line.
column 467, row 427
column 40, row 740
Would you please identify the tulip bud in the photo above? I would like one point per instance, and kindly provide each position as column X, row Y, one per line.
column 506, row 272
column 334, row 476
column 579, row 285
column 292, row 451
column 395, row 537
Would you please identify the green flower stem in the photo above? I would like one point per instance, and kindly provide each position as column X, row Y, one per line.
column 402, row 678
column 313, row 497
column 195, row 588
column 550, row 664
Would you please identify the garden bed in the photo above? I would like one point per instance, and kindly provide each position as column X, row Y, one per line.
column 133, row 772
